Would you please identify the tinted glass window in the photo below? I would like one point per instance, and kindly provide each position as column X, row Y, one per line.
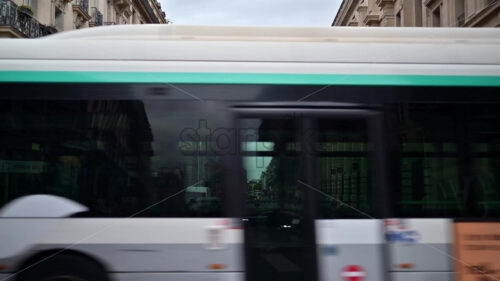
column 345, row 169
column 275, row 221
column 340, row 148
column 447, row 159
column 271, row 162
column 115, row 157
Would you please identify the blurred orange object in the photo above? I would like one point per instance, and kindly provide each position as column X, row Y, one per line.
column 477, row 250
column 406, row 265
column 217, row 266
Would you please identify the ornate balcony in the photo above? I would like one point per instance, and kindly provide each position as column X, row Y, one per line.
column 150, row 11
column 17, row 23
column 372, row 20
column 122, row 4
column 47, row 30
column 81, row 7
column 81, row 11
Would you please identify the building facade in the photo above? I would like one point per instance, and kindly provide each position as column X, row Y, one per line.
column 427, row 13
column 35, row 18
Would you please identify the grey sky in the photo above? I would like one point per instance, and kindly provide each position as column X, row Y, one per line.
column 252, row 12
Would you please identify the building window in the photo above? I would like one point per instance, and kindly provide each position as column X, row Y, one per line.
column 460, row 12
column 32, row 3
column 59, row 19
column 436, row 17
column 418, row 13
column 398, row 19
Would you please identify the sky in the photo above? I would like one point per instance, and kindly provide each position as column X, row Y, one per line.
column 252, row 12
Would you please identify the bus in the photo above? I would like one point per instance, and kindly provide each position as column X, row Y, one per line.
column 163, row 152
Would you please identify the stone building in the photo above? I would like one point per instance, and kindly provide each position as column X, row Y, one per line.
column 35, row 18
column 429, row 13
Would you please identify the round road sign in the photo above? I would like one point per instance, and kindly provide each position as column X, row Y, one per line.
column 353, row 273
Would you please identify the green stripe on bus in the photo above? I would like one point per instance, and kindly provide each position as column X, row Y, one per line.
column 246, row 78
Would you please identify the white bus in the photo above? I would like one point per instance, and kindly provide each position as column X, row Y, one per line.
column 375, row 153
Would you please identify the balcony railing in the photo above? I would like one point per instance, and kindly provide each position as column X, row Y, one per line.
column 84, row 4
column 150, row 11
column 23, row 23
column 96, row 16
column 47, row 30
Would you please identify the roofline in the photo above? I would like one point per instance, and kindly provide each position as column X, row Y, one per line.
column 338, row 12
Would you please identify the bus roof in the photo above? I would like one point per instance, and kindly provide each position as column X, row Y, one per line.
column 211, row 54
column 282, row 34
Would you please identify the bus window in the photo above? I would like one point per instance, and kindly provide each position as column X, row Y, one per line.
column 446, row 156
column 274, row 199
column 345, row 169
column 425, row 150
column 271, row 166
column 481, row 182
column 117, row 157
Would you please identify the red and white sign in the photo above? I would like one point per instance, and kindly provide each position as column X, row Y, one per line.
column 353, row 273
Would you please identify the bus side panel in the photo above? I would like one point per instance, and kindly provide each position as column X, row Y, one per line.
column 133, row 245
column 350, row 248
column 420, row 249
column 422, row 276
column 160, row 276
column 153, row 244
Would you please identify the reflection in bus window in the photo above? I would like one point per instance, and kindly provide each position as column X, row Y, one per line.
column 115, row 157
column 447, row 156
column 274, row 198
column 271, row 166
column 345, row 169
